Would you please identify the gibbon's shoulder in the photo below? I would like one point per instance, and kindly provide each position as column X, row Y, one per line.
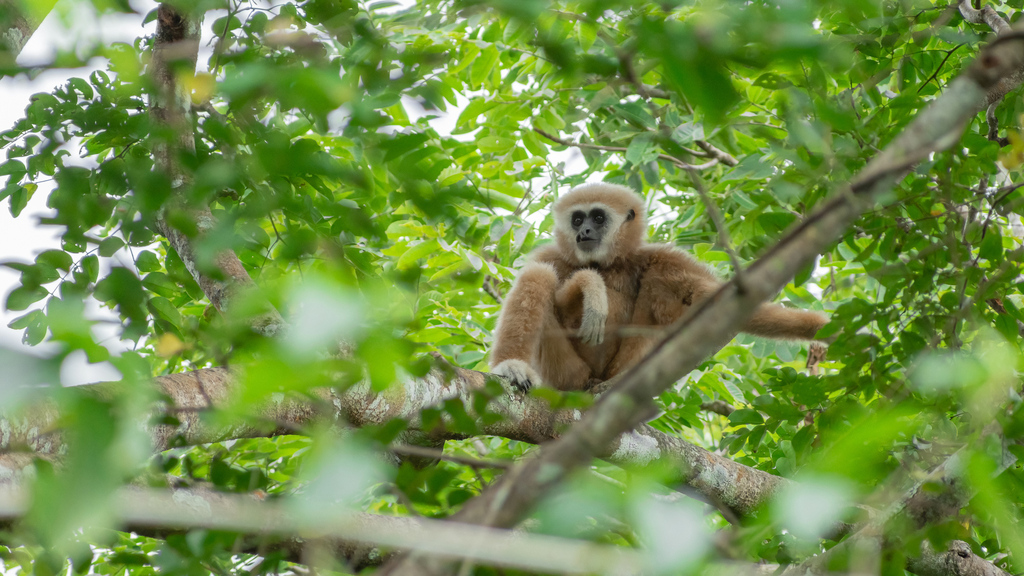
column 548, row 254
column 668, row 256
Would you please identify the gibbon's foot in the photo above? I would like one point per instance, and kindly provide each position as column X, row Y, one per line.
column 592, row 327
column 520, row 374
column 815, row 355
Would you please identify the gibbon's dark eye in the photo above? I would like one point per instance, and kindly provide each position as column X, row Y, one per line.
column 599, row 218
column 577, row 218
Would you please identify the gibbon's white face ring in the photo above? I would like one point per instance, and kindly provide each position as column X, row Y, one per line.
column 592, row 250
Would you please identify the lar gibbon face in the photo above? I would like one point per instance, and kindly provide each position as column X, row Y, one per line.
column 590, row 229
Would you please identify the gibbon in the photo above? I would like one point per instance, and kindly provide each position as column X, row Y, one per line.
column 560, row 323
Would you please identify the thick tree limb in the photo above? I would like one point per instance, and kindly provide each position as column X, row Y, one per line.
column 158, row 513
column 18, row 21
column 175, row 52
column 524, row 418
column 707, row 476
column 710, row 324
column 958, row 560
column 988, row 16
column 357, row 538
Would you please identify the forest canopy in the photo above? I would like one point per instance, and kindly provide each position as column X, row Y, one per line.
column 303, row 218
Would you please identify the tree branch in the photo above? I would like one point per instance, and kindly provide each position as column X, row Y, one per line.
column 720, row 155
column 957, row 560
column 524, row 418
column 988, row 16
column 719, row 407
column 664, row 157
column 20, row 20
column 704, row 475
column 176, row 48
column 159, row 513
column 993, row 124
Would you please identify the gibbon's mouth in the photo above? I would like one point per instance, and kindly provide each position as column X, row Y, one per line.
column 588, row 245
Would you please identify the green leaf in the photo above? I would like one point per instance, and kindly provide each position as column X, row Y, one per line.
column 687, row 132
column 91, row 266
column 164, row 309
column 496, row 144
column 416, row 253
column 160, row 283
column 14, row 169
column 750, row 167
column 745, row 416
column 147, row 261
column 641, row 149
column 23, row 320
column 483, row 66
column 468, row 118
column 992, row 245
column 110, row 245
column 402, row 144
column 35, row 332
column 24, row 296
column 57, row 258
column 774, row 223
column 19, row 199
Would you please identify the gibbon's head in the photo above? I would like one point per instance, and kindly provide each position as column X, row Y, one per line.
column 597, row 223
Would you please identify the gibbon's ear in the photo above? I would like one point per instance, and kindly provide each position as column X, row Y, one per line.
column 630, row 215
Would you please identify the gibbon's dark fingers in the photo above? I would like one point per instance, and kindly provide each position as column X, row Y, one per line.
column 519, row 373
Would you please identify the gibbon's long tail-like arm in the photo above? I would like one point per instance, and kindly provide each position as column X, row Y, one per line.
column 774, row 320
column 677, row 275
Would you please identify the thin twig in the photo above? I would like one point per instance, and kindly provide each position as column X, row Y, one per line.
column 939, row 67
column 1005, row 191
column 720, row 407
column 993, row 126
column 723, row 233
column 438, row 455
column 665, row 157
column 721, row 155
column 492, row 291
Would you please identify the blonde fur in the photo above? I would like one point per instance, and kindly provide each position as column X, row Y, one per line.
column 563, row 316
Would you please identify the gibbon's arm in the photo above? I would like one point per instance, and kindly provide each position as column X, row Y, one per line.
column 588, row 285
column 690, row 280
column 775, row 321
column 521, row 324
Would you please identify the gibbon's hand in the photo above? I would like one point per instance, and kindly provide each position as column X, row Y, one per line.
column 519, row 373
column 592, row 327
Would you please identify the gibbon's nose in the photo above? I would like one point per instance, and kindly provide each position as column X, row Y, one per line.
column 585, row 232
